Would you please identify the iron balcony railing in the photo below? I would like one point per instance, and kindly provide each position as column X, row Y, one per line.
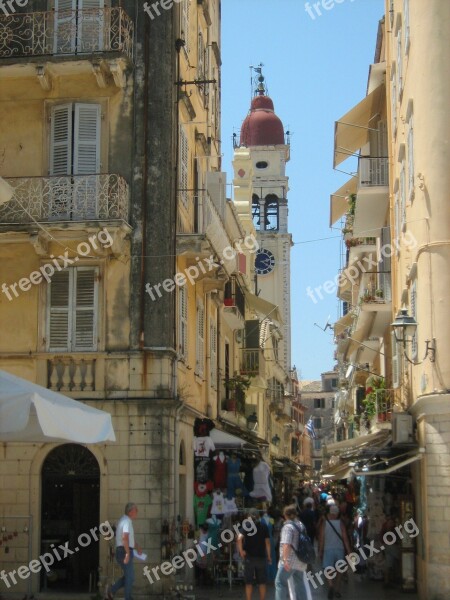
column 234, row 296
column 252, row 361
column 66, row 32
column 69, row 198
column 373, row 172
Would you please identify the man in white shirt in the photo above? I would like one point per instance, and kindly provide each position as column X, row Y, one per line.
column 125, row 544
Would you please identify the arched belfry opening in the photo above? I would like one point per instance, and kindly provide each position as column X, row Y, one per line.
column 271, row 213
column 70, row 507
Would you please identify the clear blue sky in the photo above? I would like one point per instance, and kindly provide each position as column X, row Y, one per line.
column 316, row 70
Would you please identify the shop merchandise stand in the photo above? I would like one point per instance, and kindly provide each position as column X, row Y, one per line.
column 228, row 570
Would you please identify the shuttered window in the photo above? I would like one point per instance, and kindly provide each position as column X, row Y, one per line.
column 213, row 353
column 185, row 21
column 396, row 362
column 79, row 26
column 413, row 305
column 184, row 167
column 399, row 64
column 200, row 340
column 410, row 145
column 394, row 101
column 182, row 333
column 72, row 310
column 75, row 139
column 402, row 191
column 406, row 24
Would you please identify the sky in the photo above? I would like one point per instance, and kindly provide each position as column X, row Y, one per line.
column 316, row 70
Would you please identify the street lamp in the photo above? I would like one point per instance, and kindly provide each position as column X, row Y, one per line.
column 405, row 327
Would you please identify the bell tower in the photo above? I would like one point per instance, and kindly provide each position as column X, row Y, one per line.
column 260, row 180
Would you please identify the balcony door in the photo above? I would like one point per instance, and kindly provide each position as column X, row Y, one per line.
column 75, row 161
column 79, row 26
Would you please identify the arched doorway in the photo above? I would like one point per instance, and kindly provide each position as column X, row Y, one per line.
column 70, row 507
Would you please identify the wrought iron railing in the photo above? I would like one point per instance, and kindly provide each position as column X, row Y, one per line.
column 70, row 198
column 234, row 296
column 67, row 32
column 373, row 171
column 252, row 361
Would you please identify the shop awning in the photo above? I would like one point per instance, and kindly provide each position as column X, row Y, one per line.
column 264, row 308
column 380, row 438
column 351, row 132
column 338, row 200
column 342, row 471
column 32, row 413
column 223, row 440
column 392, row 464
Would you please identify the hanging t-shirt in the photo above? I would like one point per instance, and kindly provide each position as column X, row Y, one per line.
column 203, row 446
column 218, row 504
column 202, row 469
column 201, row 508
column 230, row 506
column 261, row 487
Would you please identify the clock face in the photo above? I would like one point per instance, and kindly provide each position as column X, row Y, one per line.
column 264, row 262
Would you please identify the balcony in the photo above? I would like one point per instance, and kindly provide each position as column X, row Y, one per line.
column 74, row 35
column 375, row 293
column 253, row 362
column 72, row 198
column 201, row 231
column 372, row 197
column 234, row 304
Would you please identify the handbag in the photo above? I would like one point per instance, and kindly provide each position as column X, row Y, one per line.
column 305, row 550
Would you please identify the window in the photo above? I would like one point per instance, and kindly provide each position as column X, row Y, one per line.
column 398, row 218
column 402, row 192
column 410, row 145
column 319, row 402
column 399, row 65
column 317, row 444
column 185, row 14
column 182, row 333
column 317, row 421
column 184, row 167
column 317, row 465
column 213, row 353
column 200, row 340
column 72, row 310
column 334, row 383
column 406, row 24
column 74, row 150
column 394, row 100
column 201, row 62
column 77, row 31
column 396, row 362
column 413, row 305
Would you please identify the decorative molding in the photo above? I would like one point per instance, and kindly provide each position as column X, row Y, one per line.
column 44, row 78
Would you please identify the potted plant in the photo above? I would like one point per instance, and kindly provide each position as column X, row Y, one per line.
column 237, row 385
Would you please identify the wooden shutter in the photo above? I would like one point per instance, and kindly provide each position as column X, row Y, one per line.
column 399, row 63
column 411, row 158
column 85, row 308
column 182, row 333
column 61, row 140
column 59, row 317
column 185, row 21
column 213, row 353
column 87, row 139
column 200, row 340
column 65, row 27
column 184, row 166
column 413, row 305
column 406, row 24
column 252, row 330
column 91, row 26
column 402, row 190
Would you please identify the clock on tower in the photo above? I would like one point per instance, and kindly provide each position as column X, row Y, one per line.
column 264, row 262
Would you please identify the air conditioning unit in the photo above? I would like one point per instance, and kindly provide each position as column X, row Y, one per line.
column 402, row 429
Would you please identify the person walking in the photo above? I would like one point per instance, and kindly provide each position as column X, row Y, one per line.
column 289, row 566
column 333, row 543
column 254, row 549
column 125, row 545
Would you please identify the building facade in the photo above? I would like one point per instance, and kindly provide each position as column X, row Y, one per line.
column 394, row 379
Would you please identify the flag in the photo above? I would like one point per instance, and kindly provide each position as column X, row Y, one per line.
column 310, row 428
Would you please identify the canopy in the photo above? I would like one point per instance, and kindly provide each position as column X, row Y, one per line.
column 265, row 308
column 32, row 413
column 338, row 201
column 351, row 132
column 222, row 439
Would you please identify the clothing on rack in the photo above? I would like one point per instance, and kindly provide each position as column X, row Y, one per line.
column 218, row 504
column 203, row 446
column 201, row 508
column 234, row 482
column 220, row 470
column 202, row 469
column 261, row 489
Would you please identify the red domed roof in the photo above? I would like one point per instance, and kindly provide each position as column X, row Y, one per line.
column 262, row 127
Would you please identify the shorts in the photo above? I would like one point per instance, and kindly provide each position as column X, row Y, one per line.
column 331, row 556
column 255, row 568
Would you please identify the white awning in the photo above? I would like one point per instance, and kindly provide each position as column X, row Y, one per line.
column 338, row 200
column 358, row 442
column 32, row 413
column 264, row 308
column 393, row 467
column 222, row 439
column 351, row 132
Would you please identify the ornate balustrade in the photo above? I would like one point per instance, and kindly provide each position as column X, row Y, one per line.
column 67, row 32
column 70, row 198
